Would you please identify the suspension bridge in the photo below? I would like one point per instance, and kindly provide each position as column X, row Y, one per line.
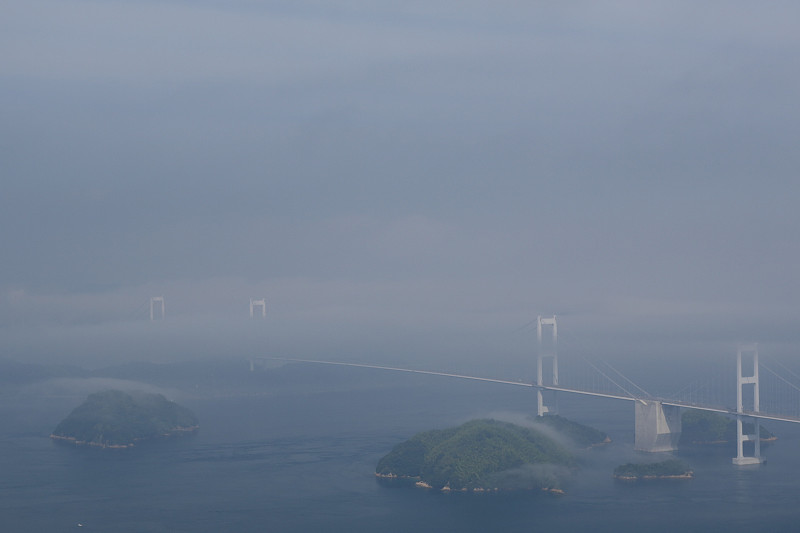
column 761, row 393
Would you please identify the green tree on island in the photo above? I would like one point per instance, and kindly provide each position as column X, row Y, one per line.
column 481, row 454
column 119, row 419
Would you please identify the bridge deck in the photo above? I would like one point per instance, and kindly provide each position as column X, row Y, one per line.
column 664, row 401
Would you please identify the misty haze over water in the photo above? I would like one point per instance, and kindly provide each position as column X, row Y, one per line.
column 405, row 185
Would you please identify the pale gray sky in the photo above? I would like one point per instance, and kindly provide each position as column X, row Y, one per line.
column 425, row 176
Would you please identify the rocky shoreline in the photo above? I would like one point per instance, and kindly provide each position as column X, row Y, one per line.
column 423, row 485
column 175, row 432
column 723, row 441
column 687, row 475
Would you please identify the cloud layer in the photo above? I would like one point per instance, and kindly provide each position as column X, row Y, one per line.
column 424, row 172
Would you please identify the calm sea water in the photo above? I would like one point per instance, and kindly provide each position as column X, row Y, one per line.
column 305, row 462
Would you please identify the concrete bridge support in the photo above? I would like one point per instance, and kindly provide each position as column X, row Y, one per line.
column 658, row 426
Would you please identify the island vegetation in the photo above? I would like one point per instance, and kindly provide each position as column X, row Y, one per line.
column 669, row 469
column 480, row 455
column 707, row 427
column 117, row 419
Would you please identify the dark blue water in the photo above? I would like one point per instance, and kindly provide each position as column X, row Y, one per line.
column 305, row 462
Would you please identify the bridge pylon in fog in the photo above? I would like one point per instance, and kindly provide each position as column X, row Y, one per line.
column 751, row 352
column 256, row 304
column 548, row 353
column 154, row 301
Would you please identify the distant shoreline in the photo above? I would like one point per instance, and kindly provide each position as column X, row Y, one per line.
column 175, row 432
column 423, row 485
column 687, row 475
column 725, row 441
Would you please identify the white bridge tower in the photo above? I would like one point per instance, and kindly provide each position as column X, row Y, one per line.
column 548, row 352
column 751, row 351
column 153, row 301
column 262, row 303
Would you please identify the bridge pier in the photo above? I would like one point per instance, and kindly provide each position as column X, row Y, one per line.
column 658, row 426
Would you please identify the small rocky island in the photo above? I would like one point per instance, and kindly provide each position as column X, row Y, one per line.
column 669, row 469
column 706, row 427
column 117, row 419
column 482, row 455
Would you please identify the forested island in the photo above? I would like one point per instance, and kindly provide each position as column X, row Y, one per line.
column 483, row 455
column 117, row 419
column 669, row 469
column 707, row 427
